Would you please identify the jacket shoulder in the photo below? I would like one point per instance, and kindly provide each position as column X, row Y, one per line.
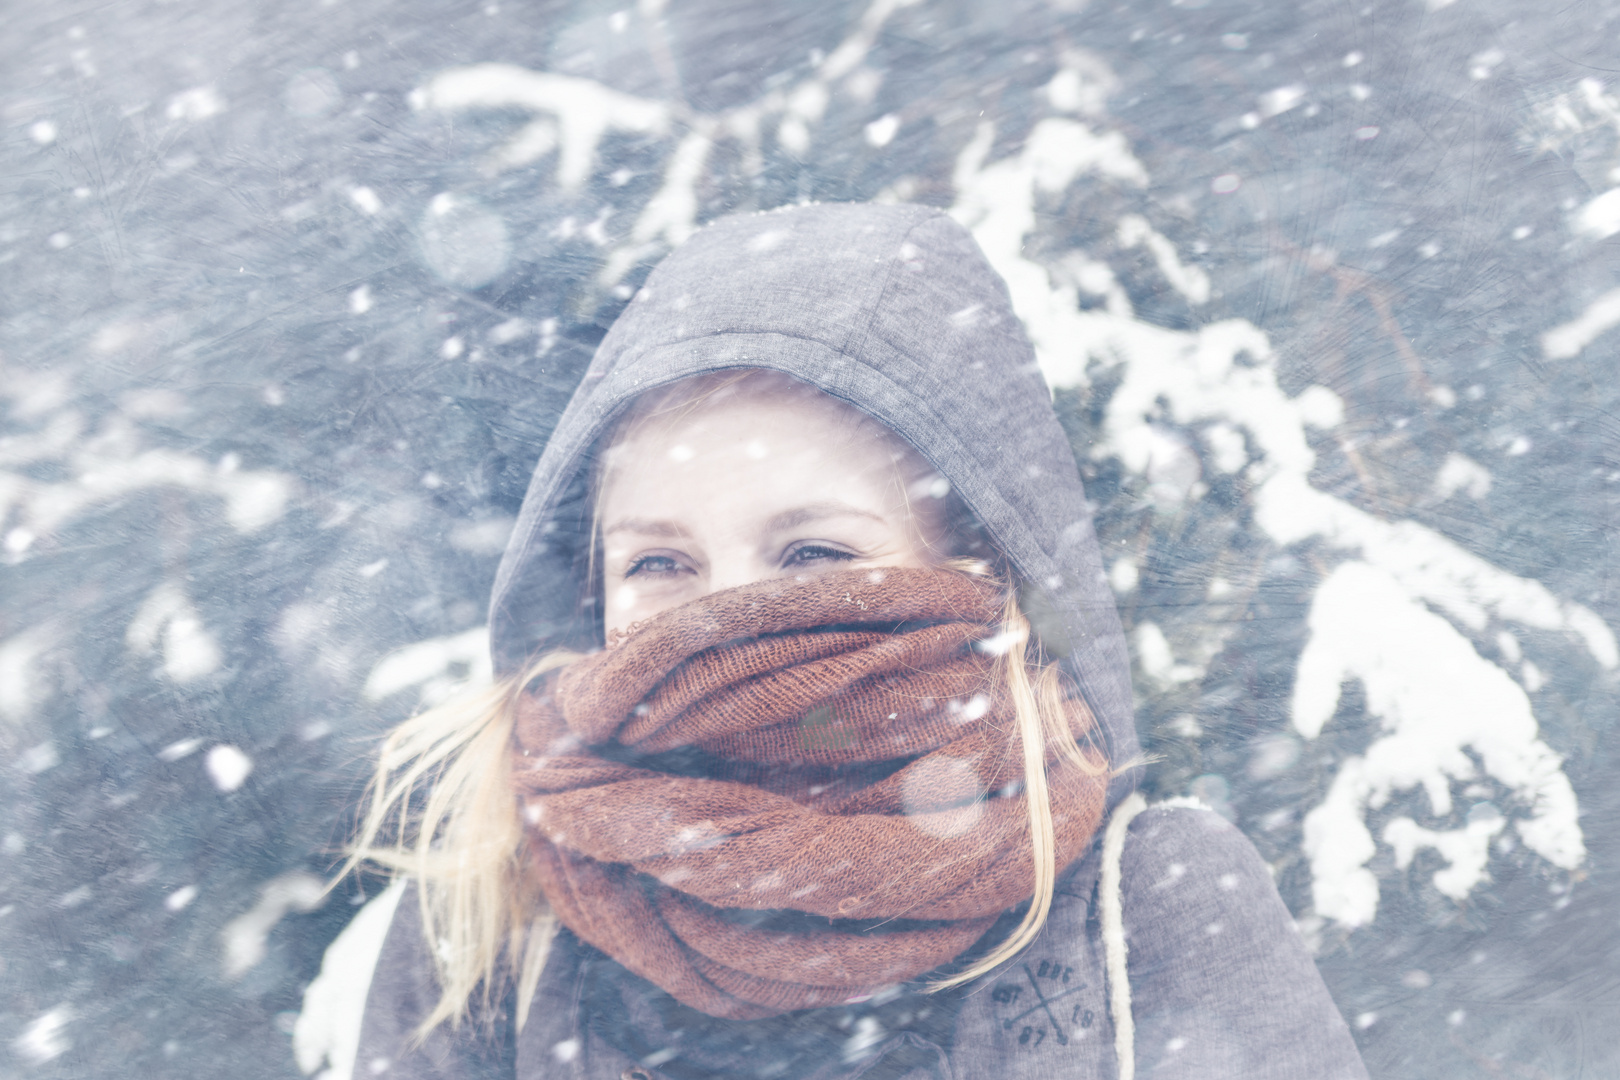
column 1221, row 981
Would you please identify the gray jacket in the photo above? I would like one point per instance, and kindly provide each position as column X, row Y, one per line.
column 895, row 310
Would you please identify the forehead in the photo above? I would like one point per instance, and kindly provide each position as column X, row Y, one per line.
column 738, row 450
column 749, row 446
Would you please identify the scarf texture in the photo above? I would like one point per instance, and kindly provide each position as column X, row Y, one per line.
column 856, row 818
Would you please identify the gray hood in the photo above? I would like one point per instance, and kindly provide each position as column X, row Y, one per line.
column 893, row 309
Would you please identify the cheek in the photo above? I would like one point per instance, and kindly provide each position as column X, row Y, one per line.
column 621, row 598
column 931, row 529
column 635, row 600
column 622, row 605
column 919, row 518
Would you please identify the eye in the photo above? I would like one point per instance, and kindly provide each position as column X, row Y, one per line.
column 812, row 554
column 654, row 566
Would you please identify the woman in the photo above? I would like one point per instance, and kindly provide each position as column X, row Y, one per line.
column 812, row 752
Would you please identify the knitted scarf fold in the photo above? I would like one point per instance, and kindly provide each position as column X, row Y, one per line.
column 858, row 817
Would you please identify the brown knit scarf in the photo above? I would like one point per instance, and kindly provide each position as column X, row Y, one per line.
column 858, row 763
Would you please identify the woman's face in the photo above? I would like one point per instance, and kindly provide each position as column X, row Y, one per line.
column 758, row 480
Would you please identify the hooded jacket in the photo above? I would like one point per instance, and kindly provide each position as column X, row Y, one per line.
column 895, row 310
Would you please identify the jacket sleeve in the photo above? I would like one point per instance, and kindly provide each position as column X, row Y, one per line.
column 404, row 989
column 1221, row 982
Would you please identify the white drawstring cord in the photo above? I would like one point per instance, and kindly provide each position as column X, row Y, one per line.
column 1113, row 932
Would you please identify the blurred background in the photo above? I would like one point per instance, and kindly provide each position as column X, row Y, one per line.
column 291, row 293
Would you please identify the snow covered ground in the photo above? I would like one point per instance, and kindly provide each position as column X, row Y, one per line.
column 1326, row 297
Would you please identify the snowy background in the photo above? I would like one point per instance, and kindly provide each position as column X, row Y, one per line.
column 292, row 292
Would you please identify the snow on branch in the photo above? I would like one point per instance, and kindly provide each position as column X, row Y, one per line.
column 585, row 110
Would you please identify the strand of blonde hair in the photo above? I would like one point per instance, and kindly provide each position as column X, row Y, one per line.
column 463, row 845
column 1041, row 720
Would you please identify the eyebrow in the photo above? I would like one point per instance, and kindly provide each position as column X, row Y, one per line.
column 817, row 511
column 787, row 519
column 645, row 527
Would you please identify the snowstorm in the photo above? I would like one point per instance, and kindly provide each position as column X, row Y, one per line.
column 294, row 294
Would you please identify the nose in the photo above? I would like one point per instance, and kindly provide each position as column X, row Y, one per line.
column 734, row 567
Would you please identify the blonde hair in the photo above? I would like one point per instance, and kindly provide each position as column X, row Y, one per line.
column 1041, row 716
column 441, row 807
